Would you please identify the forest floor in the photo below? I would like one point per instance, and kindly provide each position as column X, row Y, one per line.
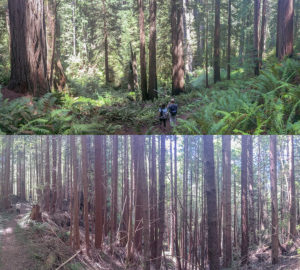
column 243, row 105
column 13, row 251
column 43, row 246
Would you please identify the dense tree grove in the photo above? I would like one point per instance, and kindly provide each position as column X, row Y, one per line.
column 205, row 201
column 94, row 39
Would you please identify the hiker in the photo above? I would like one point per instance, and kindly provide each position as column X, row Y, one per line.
column 163, row 114
column 172, row 108
column 18, row 208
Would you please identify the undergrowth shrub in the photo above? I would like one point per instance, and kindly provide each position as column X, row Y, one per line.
column 268, row 103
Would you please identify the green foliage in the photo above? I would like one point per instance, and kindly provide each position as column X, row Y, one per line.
column 266, row 104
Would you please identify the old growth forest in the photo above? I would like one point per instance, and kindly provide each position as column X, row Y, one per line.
column 106, row 66
column 150, row 202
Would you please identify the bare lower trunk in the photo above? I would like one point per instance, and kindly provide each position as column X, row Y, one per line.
column 28, row 47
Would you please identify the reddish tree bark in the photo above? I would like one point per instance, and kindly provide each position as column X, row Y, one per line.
column 285, row 24
column 99, row 186
column 177, row 47
column 152, row 91
column 292, row 189
column 85, row 192
column 28, row 47
column 256, row 36
column 142, row 50
column 244, row 202
column 273, row 176
column 217, row 74
column 212, row 217
column 227, row 252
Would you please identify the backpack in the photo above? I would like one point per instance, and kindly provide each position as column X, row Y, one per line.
column 163, row 114
column 173, row 109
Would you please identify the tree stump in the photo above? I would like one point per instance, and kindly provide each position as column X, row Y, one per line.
column 36, row 213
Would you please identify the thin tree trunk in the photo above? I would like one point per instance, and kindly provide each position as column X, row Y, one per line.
column 212, row 222
column 256, row 36
column 273, row 176
column 293, row 223
column 85, row 192
column 161, row 201
column 229, row 41
column 76, row 239
column 244, row 202
column 227, row 253
column 217, row 74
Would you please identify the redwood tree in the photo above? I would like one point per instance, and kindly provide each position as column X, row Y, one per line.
column 227, row 243
column 212, row 216
column 217, row 74
column 152, row 52
column 256, row 36
column 292, row 191
column 177, row 47
column 274, row 203
column 244, row 202
column 142, row 50
column 28, row 47
column 285, row 24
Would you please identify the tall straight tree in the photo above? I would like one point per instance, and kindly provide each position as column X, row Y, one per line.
column 251, row 191
column 212, row 216
column 153, row 201
column 76, row 239
column 6, row 172
column 114, row 186
column 273, row 177
column 142, row 50
column 226, row 150
column 177, row 47
column 152, row 52
column 217, row 74
column 145, row 206
column 256, row 36
column 285, row 24
column 99, row 186
column 292, row 191
column 105, row 29
column 161, row 201
column 28, row 47
column 175, row 207
column 85, row 192
column 263, row 30
column 47, row 177
column 54, row 169
column 244, row 202
column 229, row 41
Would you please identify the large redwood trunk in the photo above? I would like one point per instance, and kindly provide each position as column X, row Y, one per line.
column 152, row 52
column 28, row 47
column 142, row 50
column 285, row 24
column 177, row 47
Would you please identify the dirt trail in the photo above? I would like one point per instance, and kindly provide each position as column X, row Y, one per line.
column 13, row 253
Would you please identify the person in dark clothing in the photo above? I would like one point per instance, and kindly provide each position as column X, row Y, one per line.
column 172, row 108
column 163, row 114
